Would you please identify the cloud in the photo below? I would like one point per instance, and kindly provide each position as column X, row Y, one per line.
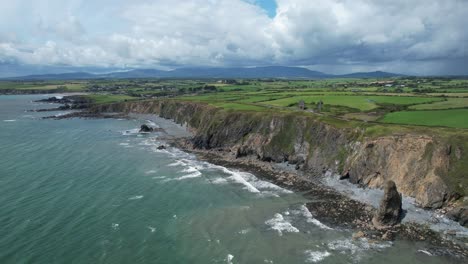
column 421, row 36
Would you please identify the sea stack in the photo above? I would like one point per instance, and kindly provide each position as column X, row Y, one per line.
column 389, row 212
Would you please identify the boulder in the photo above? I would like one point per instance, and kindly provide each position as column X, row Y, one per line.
column 161, row 147
column 460, row 215
column 390, row 211
column 145, row 128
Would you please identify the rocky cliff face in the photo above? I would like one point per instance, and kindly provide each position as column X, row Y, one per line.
column 419, row 165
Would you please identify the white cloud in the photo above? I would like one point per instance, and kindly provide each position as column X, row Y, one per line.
column 336, row 35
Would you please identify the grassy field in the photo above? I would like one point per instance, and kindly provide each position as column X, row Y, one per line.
column 448, row 104
column 411, row 100
column 109, row 98
column 456, row 118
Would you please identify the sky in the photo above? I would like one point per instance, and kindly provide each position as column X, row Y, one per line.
column 421, row 37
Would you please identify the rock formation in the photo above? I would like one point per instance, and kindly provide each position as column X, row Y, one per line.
column 389, row 212
column 145, row 128
column 460, row 215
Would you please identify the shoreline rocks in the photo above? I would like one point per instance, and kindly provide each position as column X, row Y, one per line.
column 145, row 129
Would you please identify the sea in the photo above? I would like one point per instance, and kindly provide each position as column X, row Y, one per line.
column 97, row 191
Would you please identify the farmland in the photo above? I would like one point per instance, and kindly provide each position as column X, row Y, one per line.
column 407, row 101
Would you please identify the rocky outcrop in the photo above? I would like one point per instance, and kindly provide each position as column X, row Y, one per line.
column 145, row 129
column 460, row 215
column 389, row 212
column 425, row 167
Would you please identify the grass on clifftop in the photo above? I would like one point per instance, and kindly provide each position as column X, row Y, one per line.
column 457, row 118
column 108, row 98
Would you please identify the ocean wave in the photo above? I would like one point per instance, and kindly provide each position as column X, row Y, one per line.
column 356, row 247
column 310, row 218
column 177, row 163
column 229, row 258
column 189, row 176
column 131, row 132
column 316, row 256
column 279, row 224
column 151, row 123
column 10, row 120
column 219, row 181
column 136, row 197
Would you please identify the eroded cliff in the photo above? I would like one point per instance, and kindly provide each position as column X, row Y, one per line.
column 426, row 167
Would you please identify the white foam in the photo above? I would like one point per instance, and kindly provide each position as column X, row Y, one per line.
column 229, row 258
column 247, row 185
column 115, row 226
column 316, row 256
column 158, row 177
column 244, row 231
column 62, row 114
column 124, row 144
column 280, row 225
column 151, row 123
column 219, row 181
column 177, row 163
column 130, row 132
column 136, row 197
column 310, row 218
column 190, row 169
column 150, row 172
column 189, row 176
column 425, row 252
column 9, row 120
column 356, row 247
column 152, row 229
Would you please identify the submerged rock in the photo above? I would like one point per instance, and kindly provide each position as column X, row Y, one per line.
column 161, row 147
column 145, row 128
column 390, row 211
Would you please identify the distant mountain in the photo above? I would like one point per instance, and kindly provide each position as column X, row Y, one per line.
column 254, row 72
column 59, row 76
column 375, row 74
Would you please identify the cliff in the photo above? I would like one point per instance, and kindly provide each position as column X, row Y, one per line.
column 425, row 166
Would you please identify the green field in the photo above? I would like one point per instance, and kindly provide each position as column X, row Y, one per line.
column 448, row 104
column 346, row 101
column 363, row 103
column 457, row 118
column 105, row 98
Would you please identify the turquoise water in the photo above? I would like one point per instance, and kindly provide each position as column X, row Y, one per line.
column 94, row 191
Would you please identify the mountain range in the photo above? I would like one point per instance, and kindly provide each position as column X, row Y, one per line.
column 254, row 72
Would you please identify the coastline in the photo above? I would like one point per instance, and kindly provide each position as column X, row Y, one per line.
column 331, row 207
column 327, row 205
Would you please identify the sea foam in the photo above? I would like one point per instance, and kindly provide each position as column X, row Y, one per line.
column 316, row 256
column 279, row 224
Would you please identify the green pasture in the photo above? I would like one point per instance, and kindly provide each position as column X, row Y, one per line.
column 447, row 104
column 456, row 118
